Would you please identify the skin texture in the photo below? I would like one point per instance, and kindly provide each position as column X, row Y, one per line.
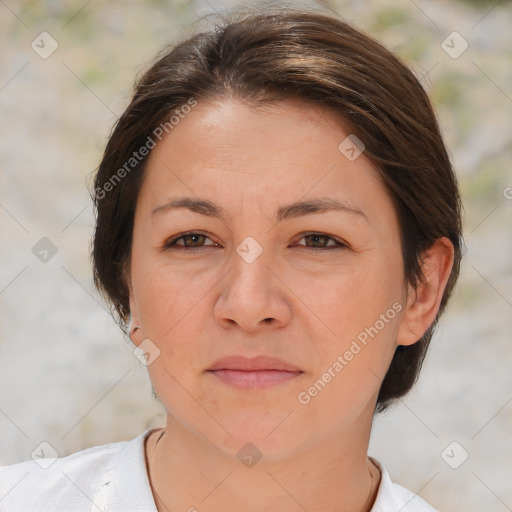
column 303, row 306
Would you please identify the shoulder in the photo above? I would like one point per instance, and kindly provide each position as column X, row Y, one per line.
column 45, row 484
column 392, row 497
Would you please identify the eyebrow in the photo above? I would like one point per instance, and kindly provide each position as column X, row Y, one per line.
column 293, row 210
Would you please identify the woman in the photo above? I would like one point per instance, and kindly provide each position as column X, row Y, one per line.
column 278, row 230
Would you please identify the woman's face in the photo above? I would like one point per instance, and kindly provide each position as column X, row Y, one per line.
column 257, row 274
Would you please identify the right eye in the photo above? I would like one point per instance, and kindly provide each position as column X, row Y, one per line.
column 193, row 238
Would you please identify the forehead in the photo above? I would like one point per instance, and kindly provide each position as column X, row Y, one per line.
column 279, row 152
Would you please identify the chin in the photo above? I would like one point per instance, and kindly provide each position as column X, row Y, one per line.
column 265, row 434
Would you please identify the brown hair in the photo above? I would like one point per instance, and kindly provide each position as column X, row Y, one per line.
column 262, row 57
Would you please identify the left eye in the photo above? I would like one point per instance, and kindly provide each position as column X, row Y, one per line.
column 320, row 238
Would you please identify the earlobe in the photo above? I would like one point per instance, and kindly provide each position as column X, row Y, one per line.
column 424, row 301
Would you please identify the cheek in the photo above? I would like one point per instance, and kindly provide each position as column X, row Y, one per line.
column 166, row 301
column 354, row 362
column 173, row 317
column 361, row 310
column 349, row 302
column 157, row 298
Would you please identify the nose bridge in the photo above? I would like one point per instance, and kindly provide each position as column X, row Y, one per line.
column 251, row 276
column 250, row 294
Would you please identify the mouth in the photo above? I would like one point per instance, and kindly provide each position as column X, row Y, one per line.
column 250, row 373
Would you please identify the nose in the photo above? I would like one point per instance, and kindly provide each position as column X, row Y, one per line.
column 252, row 297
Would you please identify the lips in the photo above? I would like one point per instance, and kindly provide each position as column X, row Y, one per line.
column 257, row 372
column 252, row 364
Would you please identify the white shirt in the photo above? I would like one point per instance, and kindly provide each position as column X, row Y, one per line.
column 113, row 478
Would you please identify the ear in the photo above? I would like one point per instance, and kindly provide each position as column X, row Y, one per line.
column 134, row 327
column 423, row 302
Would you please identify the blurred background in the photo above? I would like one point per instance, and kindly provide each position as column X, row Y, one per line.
column 67, row 374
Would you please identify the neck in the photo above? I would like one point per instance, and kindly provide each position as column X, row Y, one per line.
column 188, row 473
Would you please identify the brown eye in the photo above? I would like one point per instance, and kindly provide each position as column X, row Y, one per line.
column 190, row 240
column 194, row 239
column 320, row 241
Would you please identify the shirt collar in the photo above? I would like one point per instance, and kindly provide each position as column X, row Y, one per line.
column 127, row 487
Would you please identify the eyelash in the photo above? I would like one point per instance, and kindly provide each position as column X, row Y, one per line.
column 171, row 244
